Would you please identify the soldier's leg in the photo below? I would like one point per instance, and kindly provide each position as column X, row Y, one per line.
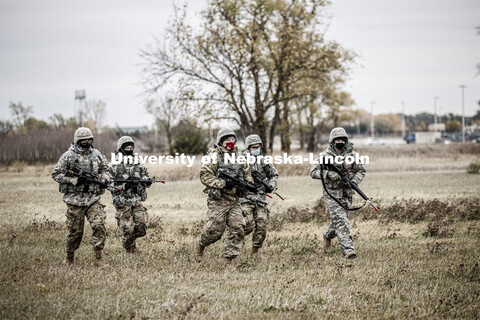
column 248, row 209
column 96, row 217
column 75, row 224
column 236, row 233
column 126, row 225
column 330, row 233
column 216, row 222
column 341, row 225
column 140, row 218
column 261, row 215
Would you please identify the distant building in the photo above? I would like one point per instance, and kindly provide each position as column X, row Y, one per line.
column 427, row 137
column 130, row 130
column 439, row 126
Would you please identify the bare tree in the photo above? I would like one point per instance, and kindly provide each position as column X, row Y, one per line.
column 95, row 112
column 20, row 114
column 246, row 61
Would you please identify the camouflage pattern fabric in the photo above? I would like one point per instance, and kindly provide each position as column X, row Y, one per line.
column 339, row 225
column 95, row 215
column 256, row 218
column 220, row 214
column 132, row 220
column 90, row 160
column 128, row 196
column 269, row 174
column 223, row 205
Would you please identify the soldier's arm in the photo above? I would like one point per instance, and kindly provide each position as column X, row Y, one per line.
column 208, row 178
column 103, row 168
column 144, row 175
column 315, row 168
column 58, row 173
column 272, row 175
column 248, row 174
column 359, row 172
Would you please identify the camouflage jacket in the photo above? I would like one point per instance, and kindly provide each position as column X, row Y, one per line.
column 130, row 195
column 91, row 161
column 215, row 187
column 268, row 173
column 356, row 172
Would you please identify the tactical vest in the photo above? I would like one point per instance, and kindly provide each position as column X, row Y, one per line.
column 91, row 167
column 236, row 170
column 138, row 189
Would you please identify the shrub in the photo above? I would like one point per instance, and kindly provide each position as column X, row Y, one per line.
column 473, row 168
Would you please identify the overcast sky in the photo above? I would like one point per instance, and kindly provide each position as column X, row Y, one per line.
column 410, row 51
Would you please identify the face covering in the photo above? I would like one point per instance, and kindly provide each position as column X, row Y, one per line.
column 339, row 145
column 128, row 152
column 229, row 146
column 255, row 152
column 85, row 145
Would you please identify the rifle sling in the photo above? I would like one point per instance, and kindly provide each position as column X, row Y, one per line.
column 336, row 200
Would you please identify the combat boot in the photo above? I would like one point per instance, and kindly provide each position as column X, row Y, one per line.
column 228, row 261
column 70, row 258
column 199, row 249
column 351, row 255
column 327, row 245
column 254, row 250
column 97, row 262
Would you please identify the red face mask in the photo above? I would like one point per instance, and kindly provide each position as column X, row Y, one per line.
column 229, row 146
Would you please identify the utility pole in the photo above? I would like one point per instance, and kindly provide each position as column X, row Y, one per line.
column 435, row 113
column 371, row 119
column 403, row 119
column 462, row 86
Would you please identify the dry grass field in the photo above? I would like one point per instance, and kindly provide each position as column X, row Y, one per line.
column 418, row 258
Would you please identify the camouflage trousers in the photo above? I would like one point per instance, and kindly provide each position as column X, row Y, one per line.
column 222, row 213
column 339, row 226
column 256, row 218
column 95, row 215
column 132, row 220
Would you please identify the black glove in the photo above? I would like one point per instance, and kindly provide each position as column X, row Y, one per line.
column 82, row 180
column 229, row 184
column 251, row 187
column 269, row 189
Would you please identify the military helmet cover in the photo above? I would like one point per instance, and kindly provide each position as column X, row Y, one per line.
column 253, row 139
column 123, row 140
column 223, row 133
column 82, row 133
column 338, row 132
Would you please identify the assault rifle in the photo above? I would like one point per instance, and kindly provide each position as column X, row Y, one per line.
column 138, row 181
column 87, row 178
column 346, row 179
column 239, row 183
column 258, row 179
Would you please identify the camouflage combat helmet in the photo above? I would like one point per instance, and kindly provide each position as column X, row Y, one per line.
column 224, row 132
column 338, row 132
column 253, row 139
column 82, row 133
column 124, row 140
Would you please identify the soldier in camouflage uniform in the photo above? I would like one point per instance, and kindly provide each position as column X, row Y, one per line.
column 223, row 198
column 131, row 214
column 83, row 198
column 339, row 226
column 254, row 205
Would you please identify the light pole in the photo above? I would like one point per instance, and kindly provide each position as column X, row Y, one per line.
column 462, row 86
column 371, row 119
column 435, row 113
column 403, row 119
